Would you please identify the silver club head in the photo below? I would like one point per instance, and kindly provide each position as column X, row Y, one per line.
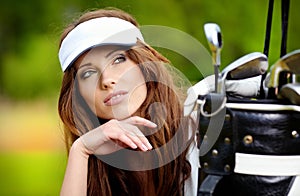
column 247, row 66
column 214, row 38
column 289, row 62
column 250, row 65
column 290, row 92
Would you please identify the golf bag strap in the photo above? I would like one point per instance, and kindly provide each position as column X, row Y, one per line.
column 209, row 184
column 267, row 165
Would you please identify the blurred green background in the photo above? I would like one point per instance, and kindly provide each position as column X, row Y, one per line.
column 32, row 154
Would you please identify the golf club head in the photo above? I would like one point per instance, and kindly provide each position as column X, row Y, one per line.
column 290, row 92
column 289, row 62
column 247, row 66
column 214, row 38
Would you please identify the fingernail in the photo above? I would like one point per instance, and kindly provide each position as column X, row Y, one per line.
column 149, row 146
column 144, row 147
column 153, row 124
column 133, row 145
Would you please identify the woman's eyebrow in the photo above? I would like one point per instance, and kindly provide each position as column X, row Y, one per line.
column 84, row 65
column 112, row 52
column 106, row 56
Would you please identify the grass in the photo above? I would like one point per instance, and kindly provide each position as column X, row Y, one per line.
column 32, row 154
column 31, row 173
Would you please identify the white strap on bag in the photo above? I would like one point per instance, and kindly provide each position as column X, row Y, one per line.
column 270, row 165
column 267, row 165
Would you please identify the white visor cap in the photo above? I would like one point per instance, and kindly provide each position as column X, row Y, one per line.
column 97, row 32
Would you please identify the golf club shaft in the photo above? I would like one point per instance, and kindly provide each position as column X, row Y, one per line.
column 283, row 77
column 267, row 44
column 216, row 70
column 285, row 4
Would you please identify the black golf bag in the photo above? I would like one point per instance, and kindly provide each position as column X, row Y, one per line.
column 248, row 147
column 251, row 146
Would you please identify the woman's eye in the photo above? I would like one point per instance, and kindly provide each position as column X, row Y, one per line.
column 87, row 74
column 119, row 59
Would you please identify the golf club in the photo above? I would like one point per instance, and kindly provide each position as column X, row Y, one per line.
column 290, row 92
column 289, row 62
column 250, row 65
column 247, row 66
column 214, row 38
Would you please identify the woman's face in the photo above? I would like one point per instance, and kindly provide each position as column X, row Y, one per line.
column 111, row 84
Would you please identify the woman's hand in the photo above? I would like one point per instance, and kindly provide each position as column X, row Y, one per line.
column 115, row 135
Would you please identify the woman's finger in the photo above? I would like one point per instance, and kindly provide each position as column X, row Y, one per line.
column 138, row 137
column 129, row 135
column 128, row 141
column 136, row 120
column 106, row 137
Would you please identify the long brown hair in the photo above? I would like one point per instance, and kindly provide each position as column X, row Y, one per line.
column 104, row 179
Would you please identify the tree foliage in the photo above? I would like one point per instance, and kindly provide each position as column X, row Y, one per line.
column 30, row 30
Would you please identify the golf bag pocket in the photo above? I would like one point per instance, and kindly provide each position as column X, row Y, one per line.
column 248, row 147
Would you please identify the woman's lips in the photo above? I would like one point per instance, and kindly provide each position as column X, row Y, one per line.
column 115, row 98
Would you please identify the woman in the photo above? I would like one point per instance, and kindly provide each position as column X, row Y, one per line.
column 123, row 116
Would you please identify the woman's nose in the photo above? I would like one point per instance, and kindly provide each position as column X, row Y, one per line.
column 107, row 80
